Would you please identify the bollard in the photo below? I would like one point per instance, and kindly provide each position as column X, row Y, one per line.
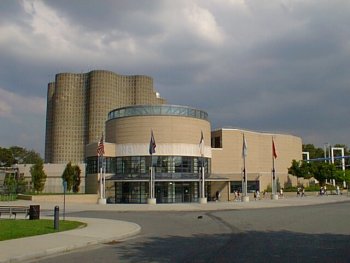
column 56, row 217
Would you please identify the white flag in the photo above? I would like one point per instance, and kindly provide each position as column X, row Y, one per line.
column 244, row 148
column 201, row 144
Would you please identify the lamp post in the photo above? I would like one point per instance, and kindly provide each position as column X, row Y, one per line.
column 325, row 147
column 341, row 149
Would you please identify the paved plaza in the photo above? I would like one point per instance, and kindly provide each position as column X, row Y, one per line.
column 105, row 230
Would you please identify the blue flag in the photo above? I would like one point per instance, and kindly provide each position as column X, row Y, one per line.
column 152, row 145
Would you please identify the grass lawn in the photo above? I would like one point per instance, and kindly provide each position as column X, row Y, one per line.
column 11, row 228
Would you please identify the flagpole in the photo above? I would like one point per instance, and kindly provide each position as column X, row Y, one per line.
column 151, row 181
column 102, row 199
column 152, row 145
column 274, row 195
column 274, row 192
column 101, row 188
column 151, row 199
column 245, row 179
column 100, row 167
column 104, row 177
column 203, row 179
column 202, row 198
column 100, row 175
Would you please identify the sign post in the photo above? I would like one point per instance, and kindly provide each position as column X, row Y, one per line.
column 64, row 198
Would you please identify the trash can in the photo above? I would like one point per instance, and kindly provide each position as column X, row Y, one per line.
column 34, row 212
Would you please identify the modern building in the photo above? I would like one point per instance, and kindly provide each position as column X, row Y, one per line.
column 178, row 161
column 127, row 109
column 227, row 160
column 77, row 108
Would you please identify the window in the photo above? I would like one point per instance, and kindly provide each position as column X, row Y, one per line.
column 251, row 186
column 138, row 166
column 216, row 142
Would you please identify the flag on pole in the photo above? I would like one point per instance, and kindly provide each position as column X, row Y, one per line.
column 152, row 144
column 201, row 144
column 274, row 153
column 101, row 147
column 244, row 148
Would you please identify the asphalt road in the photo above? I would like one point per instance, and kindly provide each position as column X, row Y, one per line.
column 318, row 233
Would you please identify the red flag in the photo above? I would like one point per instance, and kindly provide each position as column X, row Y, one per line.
column 100, row 147
column 274, row 153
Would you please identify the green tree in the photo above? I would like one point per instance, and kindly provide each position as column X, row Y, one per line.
column 6, row 158
column 38, row 176
column 313, row 151
column 22, row 155
column 338, row 162
column 21, row 184
column 76, row 179
column 322, row 171
column 341, row 176
column 67, row 176
column 10, row 183
column 300, row 169
column 295, row 169
column 16, row 154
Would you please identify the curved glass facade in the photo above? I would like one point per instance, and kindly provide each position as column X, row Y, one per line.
column 137, row 167
column 157, row 110
column 176, row 177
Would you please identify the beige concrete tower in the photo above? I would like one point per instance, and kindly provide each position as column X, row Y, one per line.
column 68, row 120
column 77, row 108
column 48, row 144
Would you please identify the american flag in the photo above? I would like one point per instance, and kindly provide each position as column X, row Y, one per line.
column 101, row 147
column 152, row 145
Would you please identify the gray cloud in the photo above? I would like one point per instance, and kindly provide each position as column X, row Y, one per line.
column 280, row 66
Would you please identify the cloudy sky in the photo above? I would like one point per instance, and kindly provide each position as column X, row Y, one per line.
column 264, row 65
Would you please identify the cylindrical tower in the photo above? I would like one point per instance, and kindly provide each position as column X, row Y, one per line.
column 177, row 130
column 106, row 90
column 77, row 108
column 68, row 118
column 48, row 134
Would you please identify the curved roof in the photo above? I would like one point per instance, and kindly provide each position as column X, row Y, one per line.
column 157, row 110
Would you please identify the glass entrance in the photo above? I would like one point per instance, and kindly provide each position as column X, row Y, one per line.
column 131, row 192
column 165, row 192
column 179, row 192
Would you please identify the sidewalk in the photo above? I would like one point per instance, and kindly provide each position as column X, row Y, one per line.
column 97, row 231
column 103, row 230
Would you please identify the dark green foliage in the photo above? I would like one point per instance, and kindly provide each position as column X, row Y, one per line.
column 313, row 151
column 71, row 175
column 6, row 158
column 68, row 176
column 76, row 179
column 300, row 169
column 38, row 177
column 322, row 171
column 16, row 154
column 21, row 185
column 341, row 176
